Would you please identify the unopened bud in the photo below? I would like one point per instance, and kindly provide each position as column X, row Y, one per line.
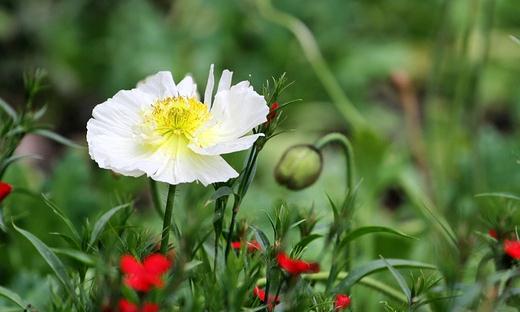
column 299, row 167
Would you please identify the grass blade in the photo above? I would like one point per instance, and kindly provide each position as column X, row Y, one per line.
column 375, row 266
column 102, row 222
column 50, row 257
column 13, row 297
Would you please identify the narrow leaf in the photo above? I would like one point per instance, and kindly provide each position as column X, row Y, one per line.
column 375, row 266
column 76, row 255
column 50, row 257
column 102, row 222
column 12, row 296
column 400, row 280
column 56, row 137
column 8, row 109
column 63, row 217
column 499, row 195
column 371, row 230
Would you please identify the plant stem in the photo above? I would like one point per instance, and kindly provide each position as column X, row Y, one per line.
column 236, row 207
column 336, row 137
column 242, row 190
column 313, row 54
column 167, row 221
column 156, row 200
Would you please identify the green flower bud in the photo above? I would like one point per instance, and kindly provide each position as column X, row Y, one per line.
column 299, row 167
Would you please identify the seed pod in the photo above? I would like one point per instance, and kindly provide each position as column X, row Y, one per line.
column 299, row 167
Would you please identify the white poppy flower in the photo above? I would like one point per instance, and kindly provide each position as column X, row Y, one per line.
column 161, row 129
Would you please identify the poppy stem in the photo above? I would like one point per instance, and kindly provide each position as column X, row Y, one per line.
column 168, row 214
column 347, row 149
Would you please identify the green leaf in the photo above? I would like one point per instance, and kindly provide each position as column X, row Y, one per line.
column 219, row 193
column 499, row 195
column 56, row 137
column 261, row 238
column 16, row 158
column 102, row 222
column 371, row 230
column 50, row 257
column 8, row 109
column 375, row 266
column 76, row 255
column 63, row 217
column 298, row 248
column 12, row 296
column 400, row 280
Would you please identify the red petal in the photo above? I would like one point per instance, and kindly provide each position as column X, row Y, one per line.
column 260, row 293
column 253, row 246
column 5, row 190
column 127, row 306
column 130, row 265
column 236, row 245
column 493, row 233
column 150, row 307
column 342, row 302
column 296, row 266
column 512, row 248
column 156, row 264
column 138, row 282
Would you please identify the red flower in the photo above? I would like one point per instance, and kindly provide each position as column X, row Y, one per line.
column 342, row 302
column 296, row 267
column 272, row 111
column 251, row 246
column 493, row 233
column 5, row 190
column 512, row 248
column 260, row 294
column 144, row 276
column 127, row 306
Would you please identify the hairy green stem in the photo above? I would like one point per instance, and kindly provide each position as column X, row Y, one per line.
column 167, row 221
column 242, row 190
column 315, row 58
column 347, row 149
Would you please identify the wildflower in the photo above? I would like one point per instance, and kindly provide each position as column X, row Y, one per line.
column 342, row 302
column 127, row 306
column 251, row 246
column 299, row 167
column 5, row 190
column 493, row 233
column 163, row 130
column 260, row 294
column 512, row 248
column 272, row 111
column 296, row 267
column 143, row 276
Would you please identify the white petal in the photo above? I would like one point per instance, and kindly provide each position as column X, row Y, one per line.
column 208, row 93
column 186, row 166
column 112, row 130
column 225, row 80
column 240, row 144
column 237, row 111
column 160, row 85
column 187, row 87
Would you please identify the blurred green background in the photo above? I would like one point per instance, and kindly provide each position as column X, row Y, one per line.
column 436, row 82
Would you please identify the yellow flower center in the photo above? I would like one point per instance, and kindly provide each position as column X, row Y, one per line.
column 177, row 116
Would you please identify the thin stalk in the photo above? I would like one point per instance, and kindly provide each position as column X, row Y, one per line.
column 313, row 54
column 242, row 190
column 156, row 200
column 336, row 137
column 167, row 221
